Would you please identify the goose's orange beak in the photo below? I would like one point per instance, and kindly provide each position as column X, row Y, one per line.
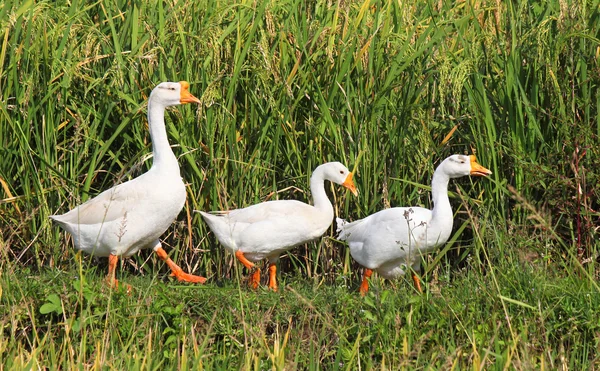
column 349, row 183
column 477, row 169
column 185, row 96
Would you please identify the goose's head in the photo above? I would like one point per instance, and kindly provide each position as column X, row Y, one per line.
column 173, row 94
column 338, row 173
column 460, row 165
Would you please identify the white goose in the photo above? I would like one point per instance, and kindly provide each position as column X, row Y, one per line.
column 391, row 240
column 132, row 215
column 268, row 229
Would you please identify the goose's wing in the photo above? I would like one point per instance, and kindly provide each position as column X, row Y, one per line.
column 386, row 226
column 108, row 206
column 270, row 210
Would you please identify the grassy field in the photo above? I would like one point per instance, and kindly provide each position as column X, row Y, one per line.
column 390, row 88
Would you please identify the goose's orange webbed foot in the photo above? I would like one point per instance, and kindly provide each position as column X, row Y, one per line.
column 176, row 271
column 254, row 279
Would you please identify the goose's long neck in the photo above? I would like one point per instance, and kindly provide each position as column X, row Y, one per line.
column 164, row 158
column 317, row 187
column 442, row 211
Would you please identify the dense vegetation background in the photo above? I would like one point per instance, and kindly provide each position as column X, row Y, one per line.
column 390, row 88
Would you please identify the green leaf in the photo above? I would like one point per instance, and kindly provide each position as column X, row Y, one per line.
column 54, row 305
column 368, row 315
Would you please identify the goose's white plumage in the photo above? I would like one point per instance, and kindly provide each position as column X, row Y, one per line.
column 268, row 229
column 394, row 239
column 130, row 216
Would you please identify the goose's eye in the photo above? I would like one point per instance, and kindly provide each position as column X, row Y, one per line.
column 341, row 171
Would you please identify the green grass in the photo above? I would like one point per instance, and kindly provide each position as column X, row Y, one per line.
column 386, row 87
column 62, row 319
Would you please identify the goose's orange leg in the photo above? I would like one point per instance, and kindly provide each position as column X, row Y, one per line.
column 273, row 276
column 254, row 279
column 112, row 265
column 176, row 270
column 364, row 286
column 417, row 282
column 110, row 277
